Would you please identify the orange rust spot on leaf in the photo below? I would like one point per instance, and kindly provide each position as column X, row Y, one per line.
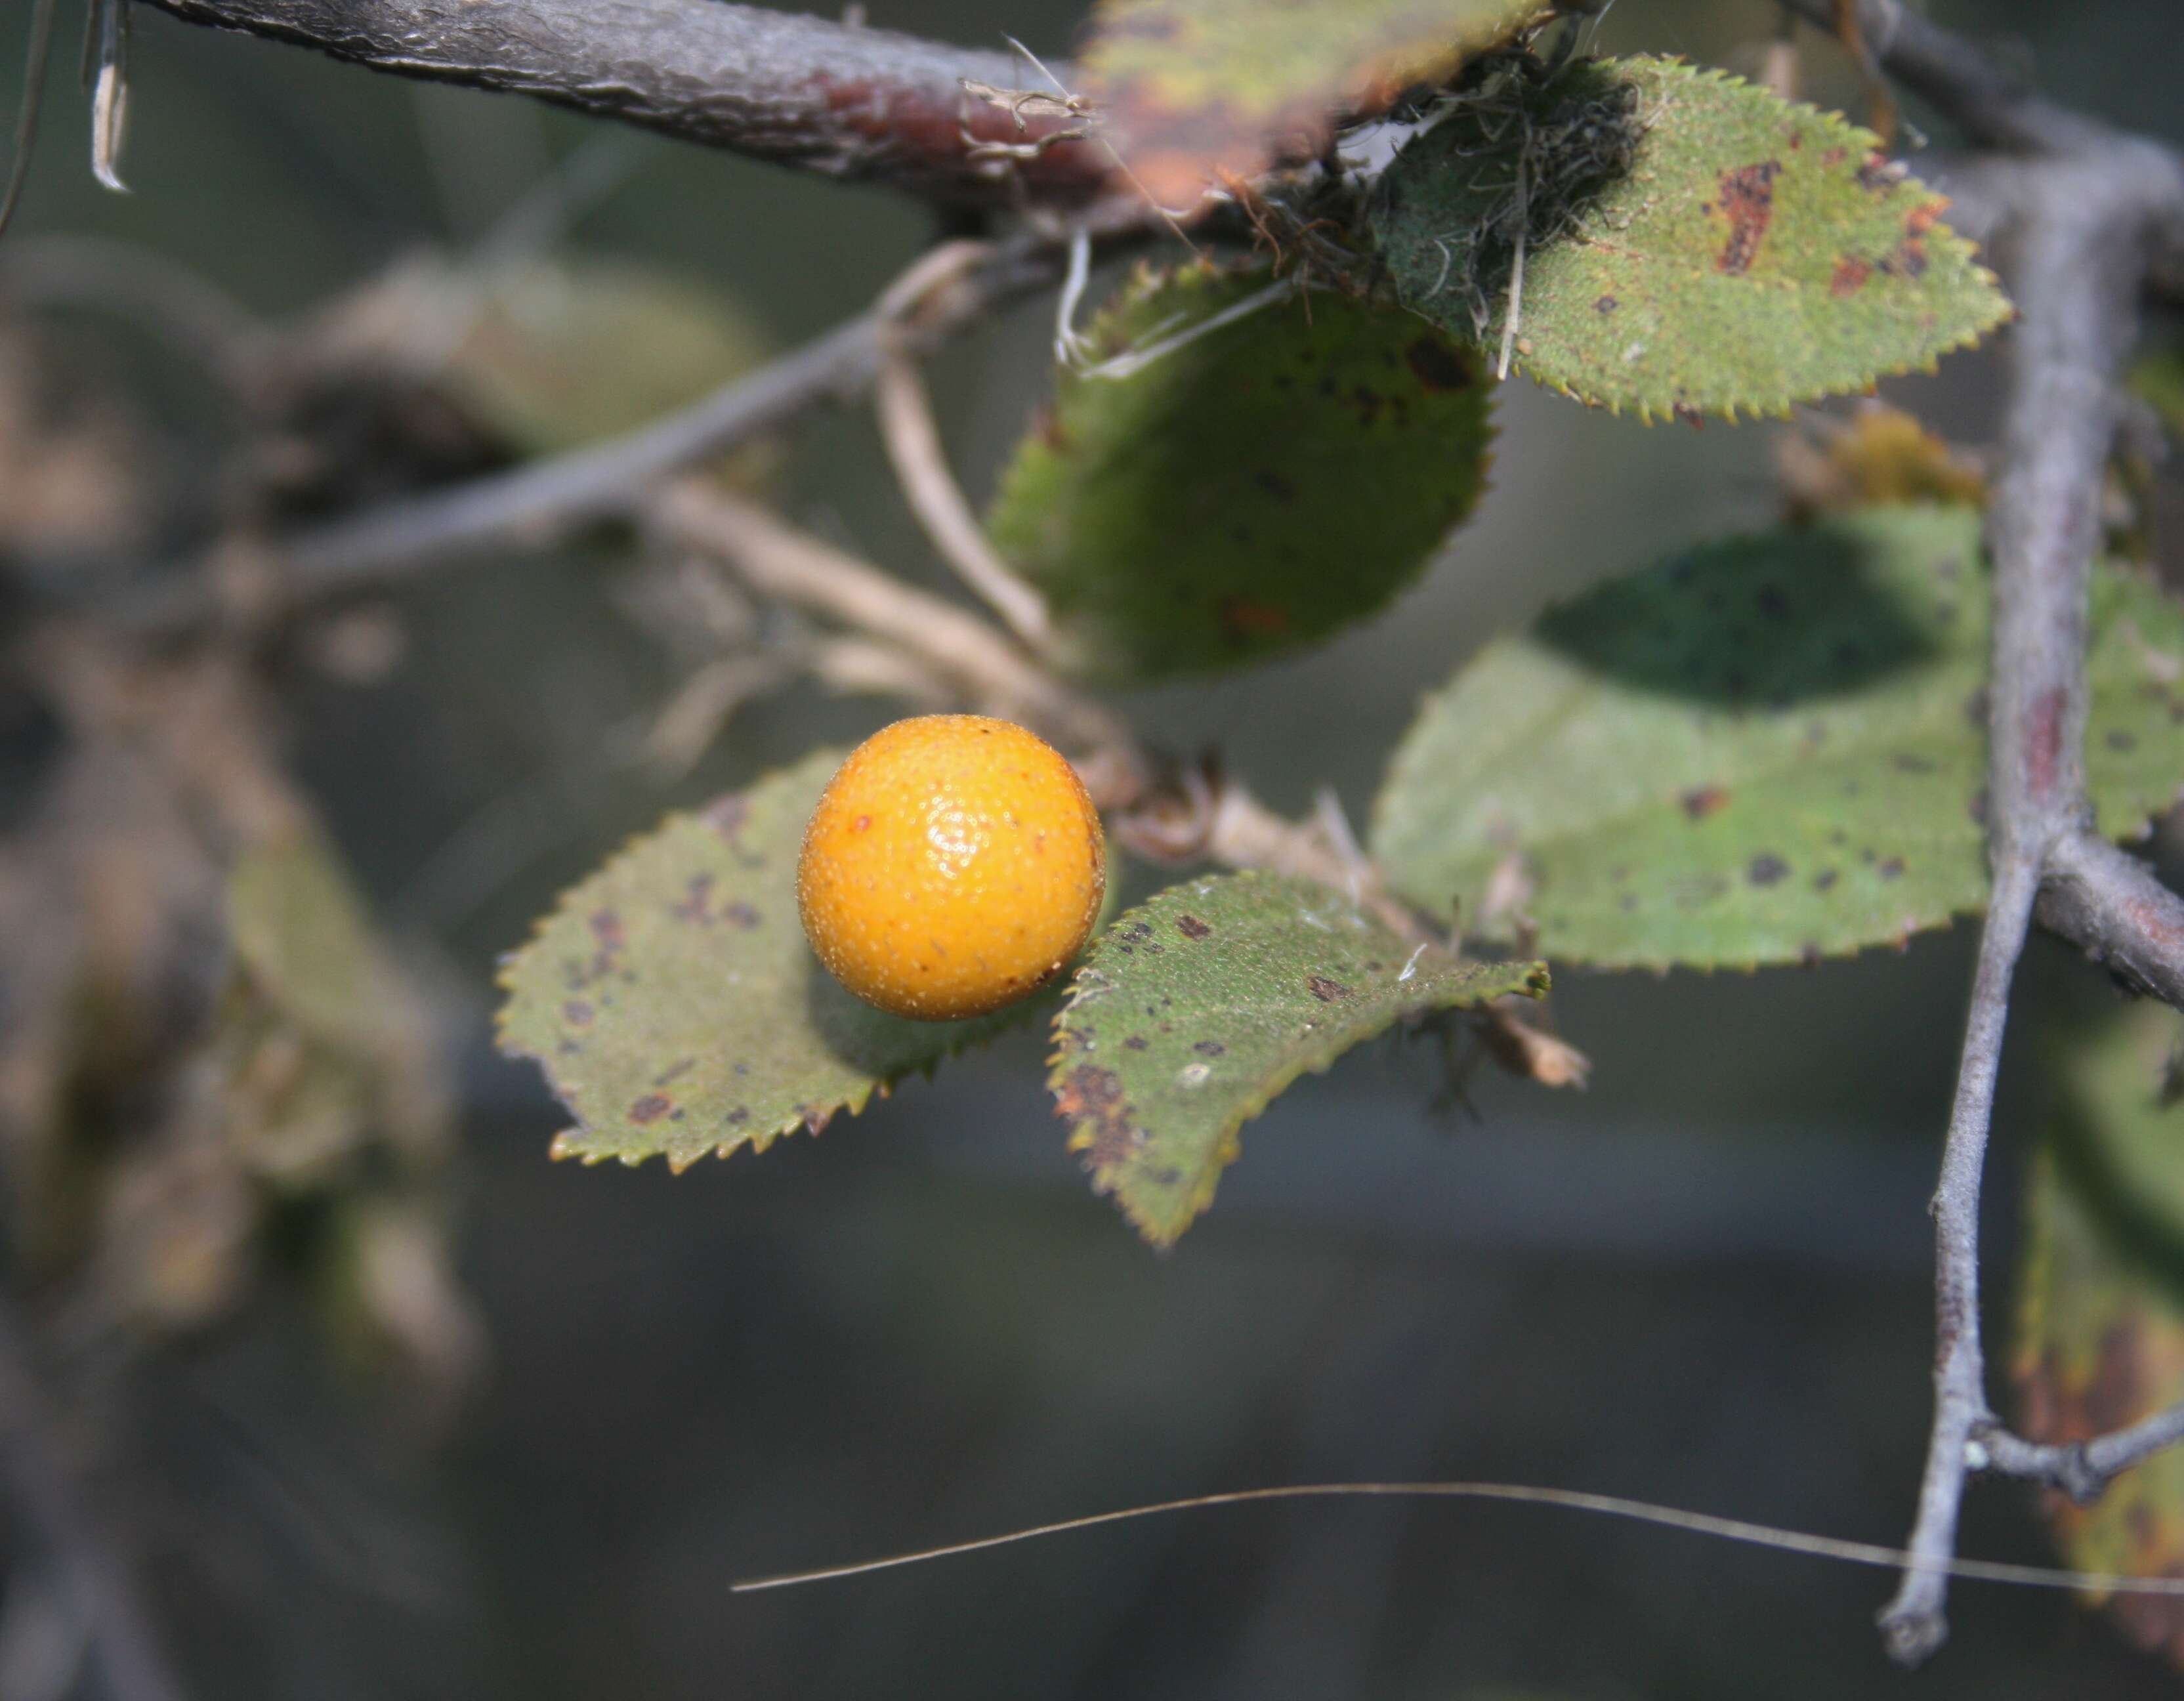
column 1244, row 617
column 1850, row 276
column 1747, row 202
column 1092, row 1098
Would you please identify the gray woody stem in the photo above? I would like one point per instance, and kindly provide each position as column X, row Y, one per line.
column 127, row 1662
column 2091, row 216
column 409, row 535
column 829, row 96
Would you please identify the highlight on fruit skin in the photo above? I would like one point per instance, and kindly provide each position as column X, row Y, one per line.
column 955, row 864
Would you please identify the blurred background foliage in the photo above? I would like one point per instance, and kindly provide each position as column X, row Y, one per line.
column 568, row 1406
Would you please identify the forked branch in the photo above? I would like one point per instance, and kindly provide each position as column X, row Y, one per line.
column 2087, row 214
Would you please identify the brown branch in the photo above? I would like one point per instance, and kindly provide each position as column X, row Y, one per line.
column 912, row 438
column 860, row 104
column 791, row 566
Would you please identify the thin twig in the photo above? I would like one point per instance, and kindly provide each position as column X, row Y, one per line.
column 921, row 468
column 778, row 561
column 1913, row 1621
column 34, row 57
column 411, row 535
column 1518, row 1494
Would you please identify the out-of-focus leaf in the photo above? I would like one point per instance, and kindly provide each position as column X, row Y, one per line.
column 2158, row 379
column 1694, row 243
column 2100, row 1325
column 1246, row 492
column 676, row 1007
column 1768, row 750
column 1880, row 457
column 561, row 353
column 1192, row 1012
column 300, row 933
column 320, row 1043
column 1197, row 90
column 544, row 354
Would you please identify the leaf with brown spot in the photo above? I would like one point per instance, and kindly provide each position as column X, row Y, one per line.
column 1283, row 978
column 1756, row 750
column 1694, row 243
column 677, row 1009
column 1248, row 492
column 2099, row 1338
column 1199, row 91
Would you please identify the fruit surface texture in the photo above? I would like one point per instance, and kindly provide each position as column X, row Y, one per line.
column 954, row 865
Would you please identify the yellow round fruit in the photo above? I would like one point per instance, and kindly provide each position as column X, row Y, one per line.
column 954, row 865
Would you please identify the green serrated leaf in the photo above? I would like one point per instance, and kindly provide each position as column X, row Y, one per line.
column 1694, row 243
column 1195, row 1010
column 1765, row 750
column 676, row 1007
column 1248, row 491
column 2100, row 1325
column 1194, row 90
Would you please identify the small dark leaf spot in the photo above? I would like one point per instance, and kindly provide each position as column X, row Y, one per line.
column 738, row 1116
column 1849, row 275
column 1765, row 871
column 1824, row 879
column 1892, row 869
column 1325, row 991
column 675, row 1071
column 1607, row 303
column 1191, row 928
column 1210, row 1048
column 651, row 1107
column 1705, row 800
column 2121, row 741
column 1136, row 1042
column 740, row 914
column 577, row 1013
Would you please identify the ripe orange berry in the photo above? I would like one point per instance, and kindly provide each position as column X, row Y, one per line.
column 954, row 865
